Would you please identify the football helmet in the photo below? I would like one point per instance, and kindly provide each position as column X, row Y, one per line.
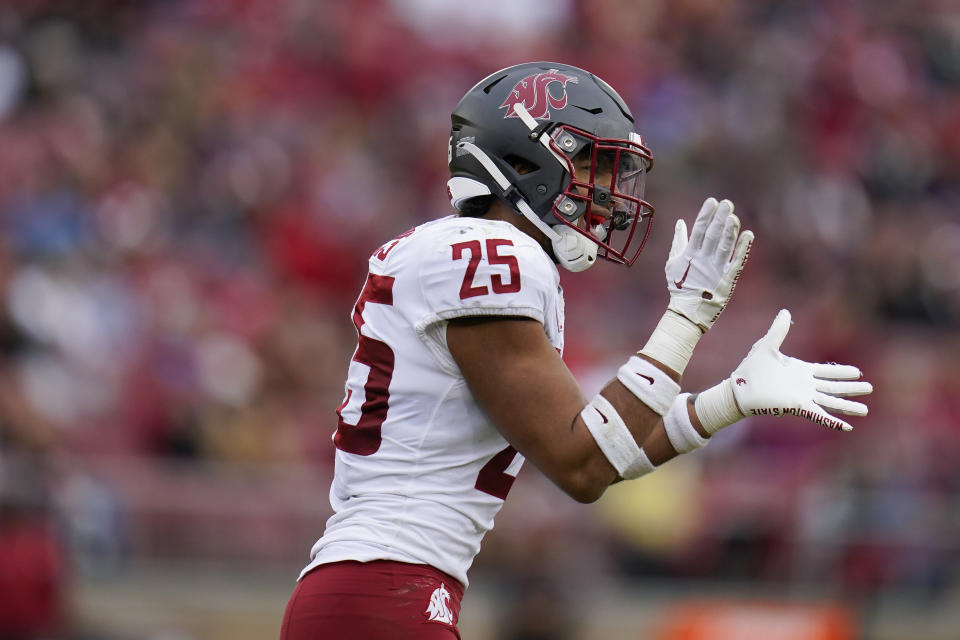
column 520, row 133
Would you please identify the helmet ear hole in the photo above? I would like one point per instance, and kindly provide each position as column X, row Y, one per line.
column 521, row 165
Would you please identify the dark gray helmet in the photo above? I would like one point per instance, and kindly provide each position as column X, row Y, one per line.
column 516, row 134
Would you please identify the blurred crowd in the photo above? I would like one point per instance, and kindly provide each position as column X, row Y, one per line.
column 189, row 190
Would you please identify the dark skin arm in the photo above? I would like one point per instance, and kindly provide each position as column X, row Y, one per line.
column 526, row 390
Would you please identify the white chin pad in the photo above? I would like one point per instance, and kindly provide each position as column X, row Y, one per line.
column 573, row 250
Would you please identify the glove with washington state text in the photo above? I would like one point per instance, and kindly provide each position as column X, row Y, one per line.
column 770, row 383
column 703, row 270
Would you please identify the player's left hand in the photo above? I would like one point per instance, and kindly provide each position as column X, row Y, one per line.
column 703, row 270
column 770, row 383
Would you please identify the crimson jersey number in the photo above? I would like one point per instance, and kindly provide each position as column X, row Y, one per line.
column 469, row 288
column 364, row 437
column 493, row 477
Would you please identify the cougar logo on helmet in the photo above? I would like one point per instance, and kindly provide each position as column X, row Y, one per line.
column 533, row 93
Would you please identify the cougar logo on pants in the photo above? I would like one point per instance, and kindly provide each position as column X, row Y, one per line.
column 437, row 610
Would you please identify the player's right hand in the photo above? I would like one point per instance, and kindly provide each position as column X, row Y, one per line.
column 703, row 270
column 770, row 383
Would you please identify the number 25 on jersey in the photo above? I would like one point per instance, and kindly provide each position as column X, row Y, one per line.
column 470, row 288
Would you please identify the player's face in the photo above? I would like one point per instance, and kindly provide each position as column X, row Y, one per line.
column 605, row 192
column 603, row 175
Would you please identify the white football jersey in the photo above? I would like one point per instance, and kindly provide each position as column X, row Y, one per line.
column 420, row 471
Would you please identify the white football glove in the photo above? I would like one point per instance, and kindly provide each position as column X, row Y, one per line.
column 770, row 383
column 703, row 271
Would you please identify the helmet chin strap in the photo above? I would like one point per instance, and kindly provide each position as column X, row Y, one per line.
column 574, row 251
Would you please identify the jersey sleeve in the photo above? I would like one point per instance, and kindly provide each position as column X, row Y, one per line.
column 483, row 270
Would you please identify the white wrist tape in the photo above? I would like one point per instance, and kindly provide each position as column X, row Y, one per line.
column 649, row 383
column 673, row 341
column 716, row 407
column 614, row 439
column 680, row 431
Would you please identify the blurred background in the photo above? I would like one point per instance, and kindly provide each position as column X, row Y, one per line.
column 189, row 190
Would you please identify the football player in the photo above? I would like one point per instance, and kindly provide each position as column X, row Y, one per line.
column 457, row 377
